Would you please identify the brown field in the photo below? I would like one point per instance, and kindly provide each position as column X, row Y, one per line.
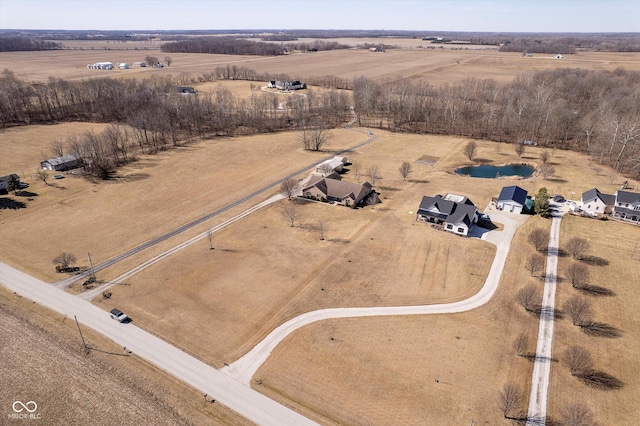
column 408, row 62
column 403, row 370
column 43, row 361
column 264, row 272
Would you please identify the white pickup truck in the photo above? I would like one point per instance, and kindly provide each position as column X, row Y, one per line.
column 118, row 315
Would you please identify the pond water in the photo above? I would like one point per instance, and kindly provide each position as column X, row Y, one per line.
column 492, row 172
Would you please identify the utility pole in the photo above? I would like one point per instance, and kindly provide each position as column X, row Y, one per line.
column 93, row 274
column 81, row 336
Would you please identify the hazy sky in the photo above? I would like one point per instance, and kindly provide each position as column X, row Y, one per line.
column 442, row 15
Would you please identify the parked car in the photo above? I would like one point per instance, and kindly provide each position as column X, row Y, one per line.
column 118, row 315
column 559, row 199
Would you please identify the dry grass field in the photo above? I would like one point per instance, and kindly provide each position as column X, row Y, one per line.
column 43, row 361
column 407, row 62
column 616, row 266
column 263, row 272
column 403, row 370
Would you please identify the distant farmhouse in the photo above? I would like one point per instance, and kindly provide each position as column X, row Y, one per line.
column 514, row 199
column 286, row 85
column 456, row 213
column 627, row 206
column 331, row 189
column 100, row 66
column 66, row 162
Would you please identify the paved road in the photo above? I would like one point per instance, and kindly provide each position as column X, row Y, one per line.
column 244, row 368
column 72, row 279
column 239, row 397
column 542, row 365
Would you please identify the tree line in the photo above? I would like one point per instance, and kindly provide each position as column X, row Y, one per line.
column 24, row 44
column 595, row 112
column 237, row 46
column 590, row 111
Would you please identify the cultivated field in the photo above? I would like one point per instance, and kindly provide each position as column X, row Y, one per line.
column 445, row 65
column 43, row 361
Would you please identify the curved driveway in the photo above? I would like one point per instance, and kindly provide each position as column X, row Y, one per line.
column 244, row 368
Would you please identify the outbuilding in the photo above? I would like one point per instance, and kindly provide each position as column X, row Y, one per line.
column 59, row 164
column 512, row 199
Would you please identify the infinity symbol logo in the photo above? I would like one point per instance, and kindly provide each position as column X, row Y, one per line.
column 22, row 406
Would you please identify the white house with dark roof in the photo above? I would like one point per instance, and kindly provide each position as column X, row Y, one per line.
column 627, row 206
column 595, row 203
column 456, row 213
column 512, row 199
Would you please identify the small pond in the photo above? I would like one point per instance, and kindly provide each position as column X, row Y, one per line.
column 494, row 171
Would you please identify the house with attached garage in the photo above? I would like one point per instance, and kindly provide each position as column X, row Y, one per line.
column 513, row 199
column 456, row 213
column 328, row 188
column 627, row 206
column 594, row 202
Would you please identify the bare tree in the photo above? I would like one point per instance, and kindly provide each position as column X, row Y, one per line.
column 511, row 399
column 64, row 259
column 519, row 148
column 578, row 359
column 356, row 169
column 545, row 156
column 578, row 247
column 57, row 148
column 470, row 150
column 288, row 187
column 577, row 414
column 534, row 263
column 373, row 174
column 42, row 175
column 547, row 170
column 315, row 137
column 210, row 238
column 405, row 170
column 539, row 238
column 528, row 298
column 578, row 274
column 168, row 60
column 579, row 309
column 521, row 344
column 290, row 211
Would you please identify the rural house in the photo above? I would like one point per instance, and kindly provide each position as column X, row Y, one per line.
column 59, row 164
column 9, row 183
column 513, row 199
column 627, row 206
column 594, row 202
column 338, row 191
column 334, row 164
column 456, row 213
column 286, row 85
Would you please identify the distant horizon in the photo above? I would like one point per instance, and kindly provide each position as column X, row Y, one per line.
column 479, row 16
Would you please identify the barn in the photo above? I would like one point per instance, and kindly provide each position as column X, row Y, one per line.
column 59, row 164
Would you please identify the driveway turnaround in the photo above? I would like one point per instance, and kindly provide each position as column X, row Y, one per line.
column 238, row 397
column 244, row 368
column 542, row 366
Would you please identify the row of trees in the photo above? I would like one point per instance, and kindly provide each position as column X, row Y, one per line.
column 237, row 46
column 589, row 111
column 23, row 44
